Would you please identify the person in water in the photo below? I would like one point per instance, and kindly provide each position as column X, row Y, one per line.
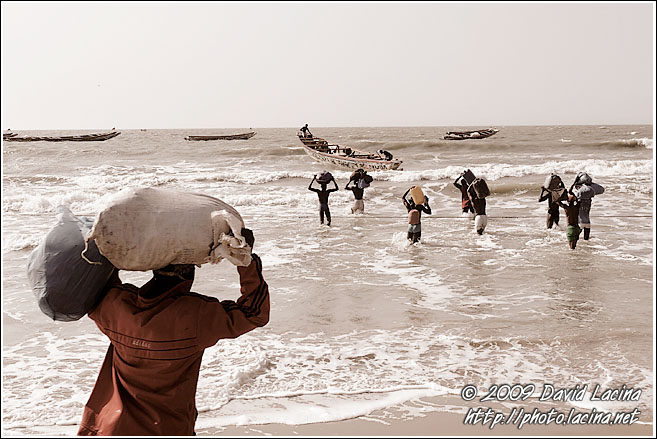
column 158, row 333
column 323, row 196
column 462, row 185
column 572, row 216
column 414, row 216
column 552, row 196
column 306, row 132
column 479, row 208
column 358, row 206
column 584, row 189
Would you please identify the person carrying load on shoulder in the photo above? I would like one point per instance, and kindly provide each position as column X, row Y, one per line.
column 553, row 191
column 359, row 180
column 462, row 183
column 415, row 206
column 572, row 213
column 158, row 333
column 584, row 189
column 477, row 193
column 305, row 131
column 323, row 194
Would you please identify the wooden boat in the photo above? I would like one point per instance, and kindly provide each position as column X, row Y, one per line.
column 245, row 136
column 98, row 137
column 465, row 135
column 348, row 158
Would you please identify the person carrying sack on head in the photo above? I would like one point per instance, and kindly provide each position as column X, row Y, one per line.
column 323, row 195
column 158, row 333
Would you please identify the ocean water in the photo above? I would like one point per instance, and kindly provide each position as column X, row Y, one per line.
column 360, row 319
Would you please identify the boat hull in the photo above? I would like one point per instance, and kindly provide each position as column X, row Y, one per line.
column 466, row 135
column 245, row 136
column 352, row 163
column 81, row 138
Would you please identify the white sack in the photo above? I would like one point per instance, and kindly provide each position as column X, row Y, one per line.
column 149, row 228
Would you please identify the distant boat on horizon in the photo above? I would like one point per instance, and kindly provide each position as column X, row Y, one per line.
column 244, row 136
column 96, row 137
column 474, row 134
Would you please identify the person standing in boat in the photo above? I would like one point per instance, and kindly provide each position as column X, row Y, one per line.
column 414, row 216
column 306, row 132
column 323, row 195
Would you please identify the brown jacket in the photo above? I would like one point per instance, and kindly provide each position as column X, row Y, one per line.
column 147, row 384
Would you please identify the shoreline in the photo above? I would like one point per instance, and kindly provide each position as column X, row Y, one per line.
column 433, row 424
column 396, row 421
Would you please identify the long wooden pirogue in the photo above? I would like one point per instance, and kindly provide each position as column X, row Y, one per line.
column 348, row 158
column 465, row 135
column 79, row 138
column 244, row 136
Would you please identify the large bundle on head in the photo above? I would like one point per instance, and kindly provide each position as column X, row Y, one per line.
column 583, row 178
column 147, row 229
column 468, row 176
column 553, row 182
column 361, row 178
column 417, row 195
column 65, row 284
column 325, row 177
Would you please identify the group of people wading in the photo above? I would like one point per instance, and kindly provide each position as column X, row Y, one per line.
column 575, row 201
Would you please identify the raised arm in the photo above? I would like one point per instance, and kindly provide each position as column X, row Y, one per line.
column 456, row 182
column 405, row 201
column 545, row 194
column 310, row 186
column 336, row 187
column 229, row 319
column 427, row 209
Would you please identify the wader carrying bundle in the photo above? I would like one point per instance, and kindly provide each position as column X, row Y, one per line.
column 361, row 178
column 66, row 286
column 147, row 229
column 480, row 188
column 555, row 186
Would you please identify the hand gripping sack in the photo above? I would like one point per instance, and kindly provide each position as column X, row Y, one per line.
column 65, row 284
column 149, row 228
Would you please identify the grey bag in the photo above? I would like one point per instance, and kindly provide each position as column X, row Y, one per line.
column 597, row 188
column 584, row 192
column 67, row 286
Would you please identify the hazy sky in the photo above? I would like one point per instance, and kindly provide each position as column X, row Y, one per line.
column 203, row 65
